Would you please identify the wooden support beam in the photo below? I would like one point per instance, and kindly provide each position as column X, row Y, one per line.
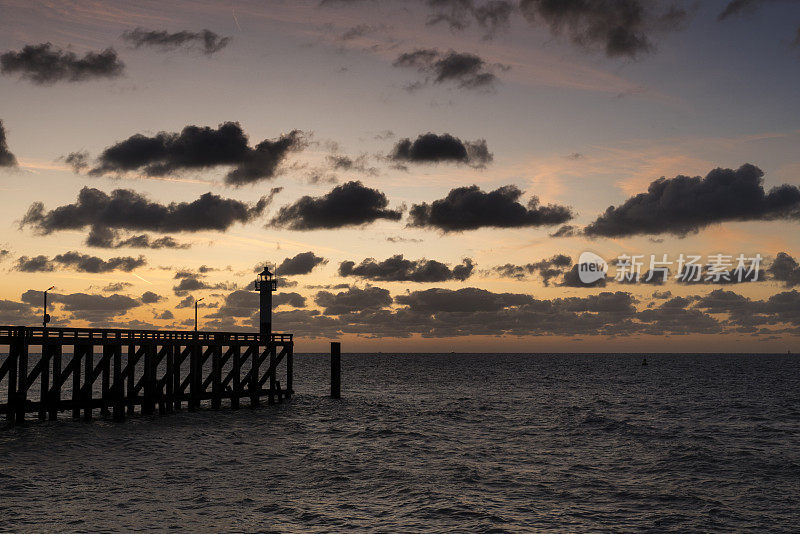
column 216, row 377
column 22, row 380
column 44, row 381
column 88, row 366
column 77, row 354
column 55, row 389
column 272, row 363
column 236, row 372
column 119, row 385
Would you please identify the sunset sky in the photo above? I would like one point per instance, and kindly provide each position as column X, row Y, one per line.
column 153, row 153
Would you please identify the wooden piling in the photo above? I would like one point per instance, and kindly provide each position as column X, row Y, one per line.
column 336, row 369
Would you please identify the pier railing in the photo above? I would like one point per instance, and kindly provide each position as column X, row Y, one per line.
column 136, row 368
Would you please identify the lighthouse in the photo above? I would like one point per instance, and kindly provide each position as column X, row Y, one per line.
column 265, row 285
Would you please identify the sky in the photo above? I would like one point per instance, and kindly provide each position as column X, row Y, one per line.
column 423, row 174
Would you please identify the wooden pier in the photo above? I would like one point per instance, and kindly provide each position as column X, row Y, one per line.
column 83, row 371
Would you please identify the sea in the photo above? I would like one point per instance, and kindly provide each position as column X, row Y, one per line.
column 438, row 443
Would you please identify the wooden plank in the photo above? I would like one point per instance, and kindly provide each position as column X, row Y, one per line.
column 118, row 385
column 89, row 378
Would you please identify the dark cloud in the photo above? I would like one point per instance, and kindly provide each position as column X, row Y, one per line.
column 339, row 162
column 566, row 230
column 684, row 205
column 738, row 7
column 194, row 282
column 45, row 64
column 200, row 147
column 468, row 299
column 80, row 262
column 34, row 264
column 242, row 303
column 548, row 268
column 166, row 315
column 84, row 306
column 148, row 297
column 433, row 148
column 125, row 209
column 492, row 16
column 209, row 41
column 303, row 263
column 7, row 159
column 785, row 269
column 349, row 204
column 572, row 279
column 618, row 27
column 18, row 313
column 77, row 160
column 467, row 71
column 104, row 237
column 469, row 208
column 353, row 300
column 115, row 287
column 399, row 269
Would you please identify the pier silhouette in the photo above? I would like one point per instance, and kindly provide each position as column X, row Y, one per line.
column 114, row 371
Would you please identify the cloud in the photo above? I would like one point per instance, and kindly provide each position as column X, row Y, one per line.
column 469, row 208
column 303, row 263
column 148, row 297
column 7, row 159
column 467, row 71
column 43, row 64
column 242, row 303
column 353, row 300
column 209, row 41
column 738, row 7
column 104, row 237
column 166, row 315
column 200, row 147
column 684, row 205
column 548, row 268
column 572, row 279
column 84, row 306
column 566, row 230
column 339, row 162
column 618, row 27
column 349, row 204
column 125, row 209
column 468, row 299
column 433, row 148
column 114, row 287
column 785, row 269
column 78, row 261
column 492, row 16
column 194, row 282
column 399, row 269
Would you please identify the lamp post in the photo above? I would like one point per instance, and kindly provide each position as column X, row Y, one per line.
column 195, row 313
column 45, row 315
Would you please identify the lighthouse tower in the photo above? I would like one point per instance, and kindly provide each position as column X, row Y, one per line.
column 265, row 285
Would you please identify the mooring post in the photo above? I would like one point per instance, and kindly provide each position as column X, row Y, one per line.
column 336, row 369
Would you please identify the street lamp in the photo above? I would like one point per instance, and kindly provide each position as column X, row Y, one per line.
column 195, row 313
column 46, row 316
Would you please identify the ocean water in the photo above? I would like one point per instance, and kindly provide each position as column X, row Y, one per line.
column 439, row 443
